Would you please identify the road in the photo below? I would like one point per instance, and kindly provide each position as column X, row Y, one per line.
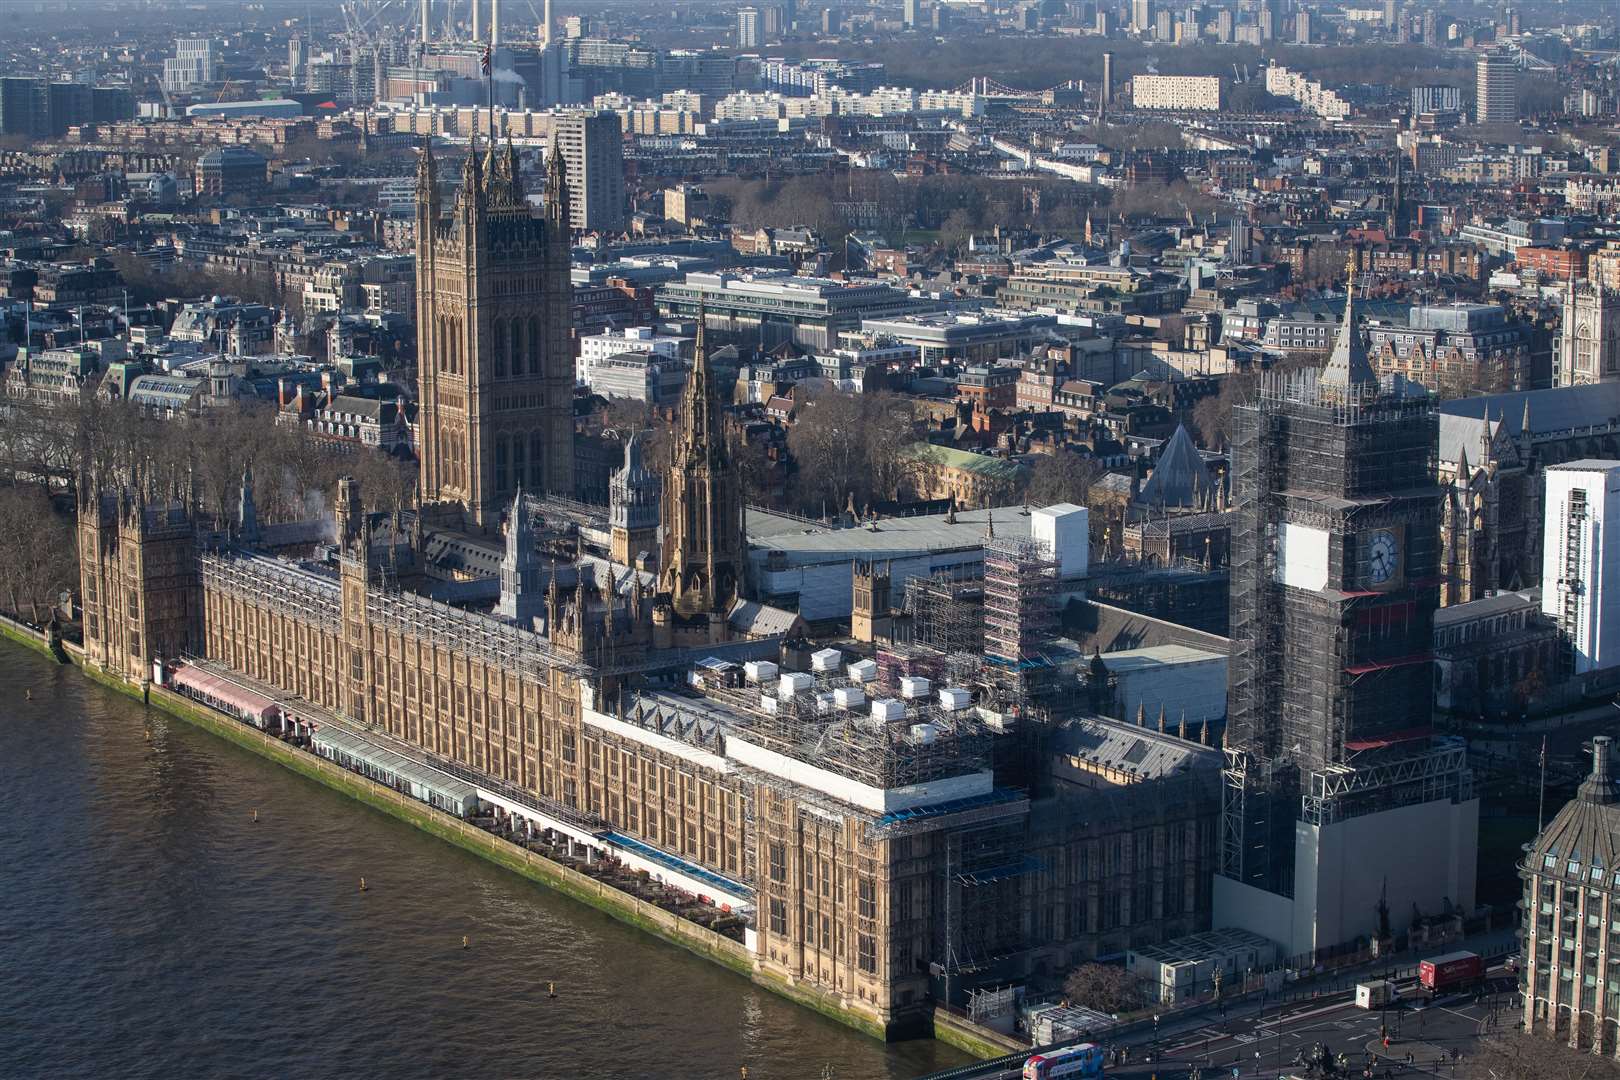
column 1265, row 1044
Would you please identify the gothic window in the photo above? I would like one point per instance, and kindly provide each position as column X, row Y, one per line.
column 500, row 353
column 519, row 345
column 441, row 345
column 534, row 345
column 518, row 473
column 502, row 450
column 537, row 461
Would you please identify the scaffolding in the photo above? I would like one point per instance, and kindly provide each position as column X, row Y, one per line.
column 900, row 743
column 1328, row 665
column 1020, row 579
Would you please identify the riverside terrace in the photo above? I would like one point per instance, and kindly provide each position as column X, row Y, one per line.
column 577, row 841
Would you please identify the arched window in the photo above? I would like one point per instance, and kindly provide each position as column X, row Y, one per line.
column 519, row 344
column 441, row 344
column 537, row 461
column 502, row 454
column 518, row 472
column 500, row 352
column 535, row 349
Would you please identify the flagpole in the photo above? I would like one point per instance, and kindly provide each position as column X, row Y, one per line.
column 1541, row 806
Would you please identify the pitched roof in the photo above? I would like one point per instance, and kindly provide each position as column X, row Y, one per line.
column 1179, row 479
column 1348, row 365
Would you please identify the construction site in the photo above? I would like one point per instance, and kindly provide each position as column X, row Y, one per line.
column 1336, row 576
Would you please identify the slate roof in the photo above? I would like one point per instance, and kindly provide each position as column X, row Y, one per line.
column 1586, row 831
column 1179, row 480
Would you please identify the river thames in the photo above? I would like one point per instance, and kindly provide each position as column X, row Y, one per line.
column 151, row 927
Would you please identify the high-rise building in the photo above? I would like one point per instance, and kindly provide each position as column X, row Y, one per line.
column 908, row 14
column 1224, row 26
column 832, row 20
column 1142, row 16
column 1496, row 89
column 1164, row 25
column 25, row 107
column 1438, row 98
column 1571, row 908
column 195, row 63
column 1589, row 340
column 1580, row 561
column 495, row 368
column 1343, row 814
column 592, row 146
column 1302, row 28
column 297, row 56
column 1389, row 14
column 748, row 27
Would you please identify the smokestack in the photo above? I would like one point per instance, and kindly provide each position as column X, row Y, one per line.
column 427, row 32
column 477, row 22
column 1105, row 94
column 494, row 24
column 545, row 31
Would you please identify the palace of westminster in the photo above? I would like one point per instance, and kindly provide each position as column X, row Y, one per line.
column 900, row 819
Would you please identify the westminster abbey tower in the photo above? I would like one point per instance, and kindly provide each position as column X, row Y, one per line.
column 494, row 370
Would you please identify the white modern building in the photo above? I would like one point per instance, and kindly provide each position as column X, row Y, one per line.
column 1198, row 93
column 1578, row 559
column 195, row 63
column 597, row 348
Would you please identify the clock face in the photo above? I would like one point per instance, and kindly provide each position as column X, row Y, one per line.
column 1383, row 556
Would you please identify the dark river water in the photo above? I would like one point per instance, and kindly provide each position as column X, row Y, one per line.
column 150, row 927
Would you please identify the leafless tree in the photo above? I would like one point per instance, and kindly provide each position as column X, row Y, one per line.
column 848, row 445
column 38, row 555
column 1533, row 1057
column 1061, row 477
column 1103, row 987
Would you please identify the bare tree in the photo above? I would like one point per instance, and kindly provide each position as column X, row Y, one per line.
column 38, row 555
column 1103, row 987
column 1064, row 476
column 849, row 446
column 1533, row 1057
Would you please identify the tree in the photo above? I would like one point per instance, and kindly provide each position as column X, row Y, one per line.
column 1064, row 476
column 849, row 446
column 1531, row 1057
column 1103, row 987
column 38, row 555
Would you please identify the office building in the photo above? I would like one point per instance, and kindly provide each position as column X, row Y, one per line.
column 231, row 170
column 1302, row 28
column 1344, row 815
column 1496, row 89
column 1571, row 911
column 195, row 63
column 771, row 308
column 908, row 13
column 1580, row 562
column 592, row 147
column 1142, row 16
column 25, row 107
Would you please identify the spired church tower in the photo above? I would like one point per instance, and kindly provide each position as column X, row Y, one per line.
column 704, row 551
column 494, row 367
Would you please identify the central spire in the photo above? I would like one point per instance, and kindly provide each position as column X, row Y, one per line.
column 1348, row 368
